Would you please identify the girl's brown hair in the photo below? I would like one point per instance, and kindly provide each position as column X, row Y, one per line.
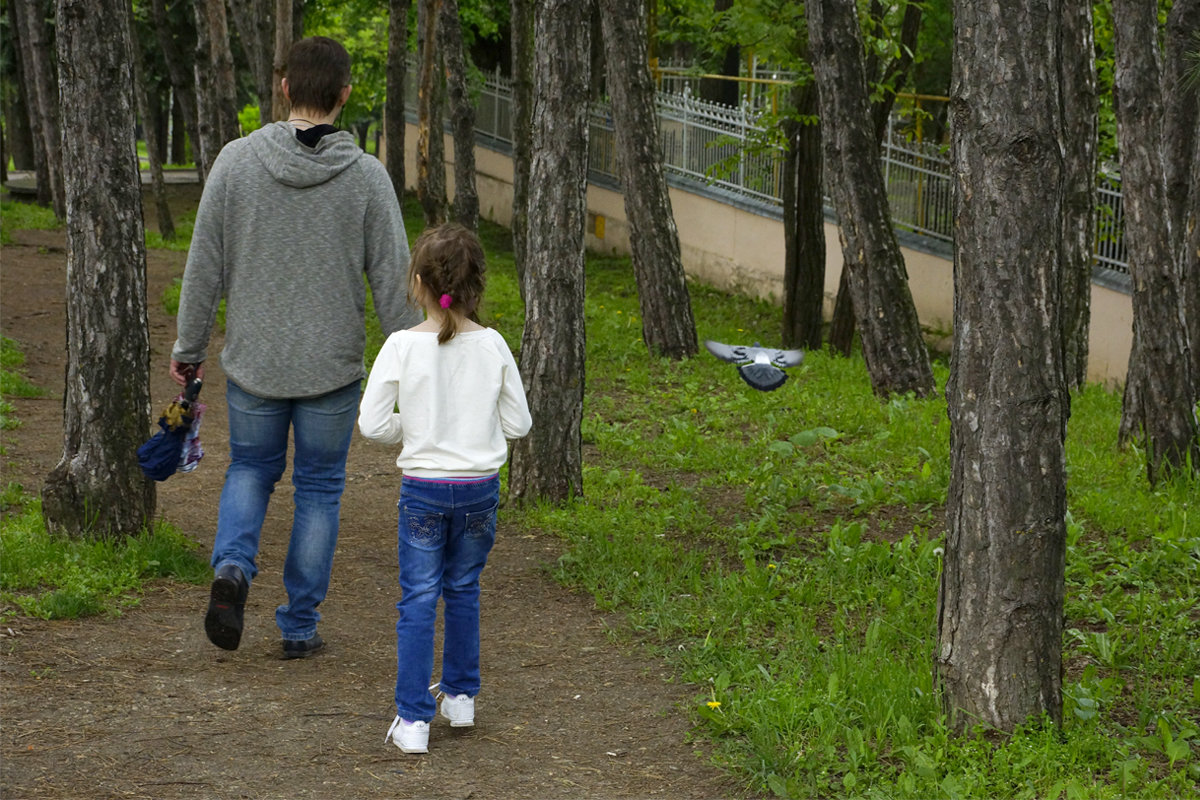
column 450, row 262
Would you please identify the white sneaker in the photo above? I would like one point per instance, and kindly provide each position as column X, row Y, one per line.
column 460, row 710
column 410, row 737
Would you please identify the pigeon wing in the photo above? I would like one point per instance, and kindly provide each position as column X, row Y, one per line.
column 734, row 354
column 787, row 358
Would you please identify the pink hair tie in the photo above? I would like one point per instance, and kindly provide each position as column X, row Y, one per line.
column 446, row 301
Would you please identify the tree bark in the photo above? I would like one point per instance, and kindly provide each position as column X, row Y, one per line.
column 462, row 116
column 177, row 43
column 548, row 463
column 668, row 327
column 97, row 488
column 431, row 160
column 281, row 44
column 254, row 21
column 150, row 114
column 1000, row 606
column 1159, row 394
column 803, row 224
column 893, row 347
column 394, row 114
column 1080, row 104
column 521, row 24
column 41, row 89
column 216, row 92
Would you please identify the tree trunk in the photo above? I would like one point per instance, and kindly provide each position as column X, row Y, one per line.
column 216, row 93
column 97, row 489
column 668, row 327
column 462, row 114
column 42, row 90
column 521, row 24
column 282, row 43
column 1079, row 181
column 394, row 114
column 179, row 135
column 1190, row 262
column 803, row 224
column 716, row 90
column 177, row 43
column 548, row 463
column 1159, row 393
column 841, row 327
column 150, row 114
column 255, row 24
column 431, row 161
column 887, row 318
column 1000, row 607
column 18, row 139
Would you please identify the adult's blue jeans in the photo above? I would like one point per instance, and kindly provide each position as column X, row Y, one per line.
column 258, row 445
column 446, row 531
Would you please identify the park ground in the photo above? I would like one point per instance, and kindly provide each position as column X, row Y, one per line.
column 142, row 706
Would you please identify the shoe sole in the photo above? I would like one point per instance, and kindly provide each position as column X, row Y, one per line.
column 413, row 751
column 223, row 622
column 289, row 654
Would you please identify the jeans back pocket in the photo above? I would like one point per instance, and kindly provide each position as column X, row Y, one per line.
column 481, row 524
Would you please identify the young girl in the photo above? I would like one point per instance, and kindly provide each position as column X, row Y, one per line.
column 448, row 389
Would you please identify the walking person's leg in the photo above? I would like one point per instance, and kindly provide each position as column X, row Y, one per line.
column 472, row 535
column 258, row 436
column 323, row 428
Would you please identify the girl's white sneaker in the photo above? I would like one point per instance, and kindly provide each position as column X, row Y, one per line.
column 410, row 737
column 460, row 710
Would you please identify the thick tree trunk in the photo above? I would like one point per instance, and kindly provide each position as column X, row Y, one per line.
column 42, row 91
column 97, row 488
column 431, row 160
column 893, row 347
column 216, row 92
column 521, row 25
column 1079, row 180
column 548, row 463
column 255, row 24
column 1190, row 262
column 1000, row 607
column 1159, row 392
column 150, row 113
column 177, row 44
column 803, row 225
column 281, row 44
column 394, row 114
column 462, row 116
column 668, row 327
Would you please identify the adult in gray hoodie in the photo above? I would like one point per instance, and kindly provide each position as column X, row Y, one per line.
column 291, row 218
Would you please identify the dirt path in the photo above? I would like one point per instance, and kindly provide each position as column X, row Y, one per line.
column 142, row 706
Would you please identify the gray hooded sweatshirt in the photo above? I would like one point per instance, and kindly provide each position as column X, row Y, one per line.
column 285, row 233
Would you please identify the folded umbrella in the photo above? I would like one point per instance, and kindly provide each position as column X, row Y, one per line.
column 176, row 445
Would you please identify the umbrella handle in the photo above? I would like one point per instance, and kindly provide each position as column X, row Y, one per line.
column 193, row 390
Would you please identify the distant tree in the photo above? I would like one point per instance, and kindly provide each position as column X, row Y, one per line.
column 548, row 463
column 254, row 21
column 395, row 114
column 97, row 488
column 216, row 88
column 1159, row 402
column 522, row 32
column 803, row 203
column 149, row 112
column 18, row 136
column 281, row 44
column 668, row 326
column 175, row 31
column 37, row 62
column 1000, row 609
column 462, row 115
column 431, row 161
column 893, row 347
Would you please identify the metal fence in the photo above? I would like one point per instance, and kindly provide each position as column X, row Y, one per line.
column 717, row 149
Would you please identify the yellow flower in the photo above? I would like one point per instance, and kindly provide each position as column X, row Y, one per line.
column 713, row 703
column 770, row 566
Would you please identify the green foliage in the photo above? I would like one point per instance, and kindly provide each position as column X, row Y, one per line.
column 16, row 216
column 54, row 577
column 12, row 383
column 249, row 118
column 183, row 236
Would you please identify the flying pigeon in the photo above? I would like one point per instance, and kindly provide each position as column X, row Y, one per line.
column 761, row 367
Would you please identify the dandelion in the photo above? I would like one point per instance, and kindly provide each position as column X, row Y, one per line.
column 771, row 566
column 713, row 704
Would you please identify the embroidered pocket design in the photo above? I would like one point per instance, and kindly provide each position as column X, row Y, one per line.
column 425, row 528
column 481, row 524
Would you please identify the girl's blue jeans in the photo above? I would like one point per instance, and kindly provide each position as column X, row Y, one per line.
column 446, row 531
column 258, row 445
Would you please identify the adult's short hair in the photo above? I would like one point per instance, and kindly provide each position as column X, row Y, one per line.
column 317, row 70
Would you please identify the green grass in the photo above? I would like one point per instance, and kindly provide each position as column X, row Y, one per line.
column 781, row 552
column 12, row 382
column 15, row 216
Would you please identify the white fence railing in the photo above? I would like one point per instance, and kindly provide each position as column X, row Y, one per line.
column 710, row 144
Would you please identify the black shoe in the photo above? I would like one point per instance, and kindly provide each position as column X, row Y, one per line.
column 303, row 648
column 226, row 607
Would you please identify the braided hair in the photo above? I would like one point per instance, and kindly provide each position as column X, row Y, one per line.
column 449, row 260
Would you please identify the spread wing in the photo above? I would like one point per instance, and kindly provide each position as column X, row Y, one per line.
column 734, row 354
column 787, row 358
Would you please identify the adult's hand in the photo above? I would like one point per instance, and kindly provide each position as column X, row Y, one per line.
column 181, row 373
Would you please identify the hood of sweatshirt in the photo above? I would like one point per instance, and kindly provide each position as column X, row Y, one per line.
column 295, row 164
